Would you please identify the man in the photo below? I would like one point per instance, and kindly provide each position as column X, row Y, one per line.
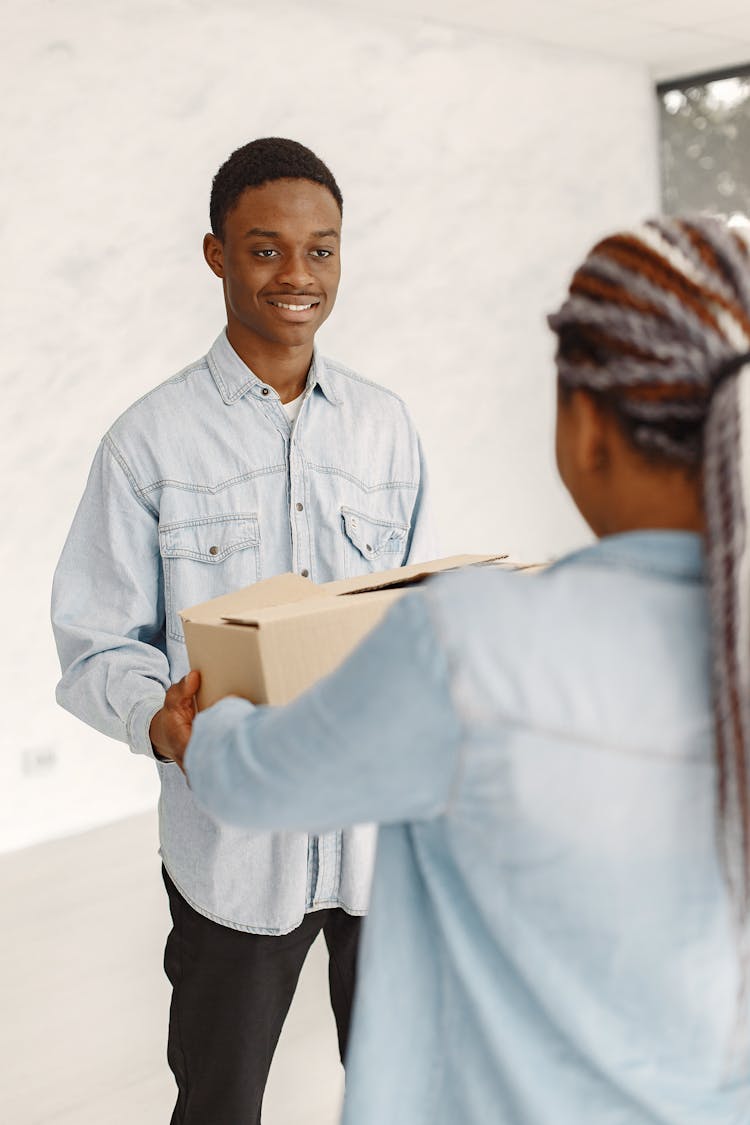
column 262, row 457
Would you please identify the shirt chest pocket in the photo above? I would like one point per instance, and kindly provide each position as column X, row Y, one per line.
column 204, row 558
column 371, row 544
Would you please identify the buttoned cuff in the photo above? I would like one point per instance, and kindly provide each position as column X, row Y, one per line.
column 139, row 722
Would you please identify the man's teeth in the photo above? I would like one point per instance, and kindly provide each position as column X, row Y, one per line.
column 294, row 308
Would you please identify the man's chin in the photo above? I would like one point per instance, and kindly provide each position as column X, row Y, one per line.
column 295, row 335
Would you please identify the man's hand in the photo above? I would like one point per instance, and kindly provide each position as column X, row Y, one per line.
column 171, row 726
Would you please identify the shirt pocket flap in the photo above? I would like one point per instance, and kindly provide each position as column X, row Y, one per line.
column 210, row 540
column 373, row 537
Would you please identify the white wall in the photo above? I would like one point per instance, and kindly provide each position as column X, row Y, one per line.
column 475, row 172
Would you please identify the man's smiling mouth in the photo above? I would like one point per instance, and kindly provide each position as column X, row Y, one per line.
column 294, row 306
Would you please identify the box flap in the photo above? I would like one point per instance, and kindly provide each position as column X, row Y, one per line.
column 283, row 589
column 405, row 575
column 379, row 582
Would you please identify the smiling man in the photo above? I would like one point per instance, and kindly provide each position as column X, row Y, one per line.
column 262, row 457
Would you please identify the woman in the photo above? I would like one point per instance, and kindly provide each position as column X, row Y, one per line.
column 560, row 910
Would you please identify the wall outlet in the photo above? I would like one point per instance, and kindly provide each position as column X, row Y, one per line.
column 38, row 760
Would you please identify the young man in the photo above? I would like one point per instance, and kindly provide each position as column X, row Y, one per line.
column 262, row 457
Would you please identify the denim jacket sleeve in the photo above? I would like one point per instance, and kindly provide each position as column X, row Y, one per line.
column 377, row 740
column 107, row 608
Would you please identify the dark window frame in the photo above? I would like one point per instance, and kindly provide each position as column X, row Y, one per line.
column 703, row 79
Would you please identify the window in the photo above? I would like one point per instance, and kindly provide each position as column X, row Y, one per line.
column 705, row 143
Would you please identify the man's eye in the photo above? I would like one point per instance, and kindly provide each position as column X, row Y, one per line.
column 265, row 253
column 321, row 253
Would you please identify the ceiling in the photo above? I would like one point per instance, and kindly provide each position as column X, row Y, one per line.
column 673, row 38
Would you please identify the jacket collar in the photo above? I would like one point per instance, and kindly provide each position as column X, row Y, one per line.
column 234, row 379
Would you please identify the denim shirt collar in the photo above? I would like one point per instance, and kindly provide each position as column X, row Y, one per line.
column 673, row 554
column 234, row 379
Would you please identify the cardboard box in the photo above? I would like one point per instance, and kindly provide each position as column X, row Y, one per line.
column 270, row 641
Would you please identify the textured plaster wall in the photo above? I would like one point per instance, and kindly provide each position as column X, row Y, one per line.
column 475, row 171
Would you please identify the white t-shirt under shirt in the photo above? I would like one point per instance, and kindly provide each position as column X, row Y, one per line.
column 293, row 408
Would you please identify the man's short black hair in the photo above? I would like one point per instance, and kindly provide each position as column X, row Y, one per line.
column 260, row 162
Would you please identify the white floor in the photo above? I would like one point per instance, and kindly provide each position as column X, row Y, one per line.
column 85, row 1002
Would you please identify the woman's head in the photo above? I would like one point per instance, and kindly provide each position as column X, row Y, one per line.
column 653, row 319
column 653, row 316
column 653, row 364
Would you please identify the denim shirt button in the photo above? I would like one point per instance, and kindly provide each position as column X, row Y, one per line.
column 264, row 391
column 299, row 506
column 213, row 550
column 305, row 573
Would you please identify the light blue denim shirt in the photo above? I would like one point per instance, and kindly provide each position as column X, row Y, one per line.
column 550, row 940
column 202, row 487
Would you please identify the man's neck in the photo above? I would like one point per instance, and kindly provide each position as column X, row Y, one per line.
column 283, row 368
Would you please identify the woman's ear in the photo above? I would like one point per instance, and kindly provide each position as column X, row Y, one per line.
column 586, row 432
column 591, row 430
column 584, row 454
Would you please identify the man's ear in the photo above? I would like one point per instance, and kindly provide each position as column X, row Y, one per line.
column 213, row 252
column 592, row 448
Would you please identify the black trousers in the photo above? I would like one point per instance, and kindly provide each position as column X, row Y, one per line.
column 231, row 992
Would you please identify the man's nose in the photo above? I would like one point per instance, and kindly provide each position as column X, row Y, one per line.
column 295, row 270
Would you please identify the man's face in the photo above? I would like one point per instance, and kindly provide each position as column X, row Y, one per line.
column 279, row 262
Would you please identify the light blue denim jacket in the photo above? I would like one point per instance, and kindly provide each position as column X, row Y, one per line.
column 200, row 488
column 550, row 939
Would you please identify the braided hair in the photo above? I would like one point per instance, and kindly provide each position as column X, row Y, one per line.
column 657, row 325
